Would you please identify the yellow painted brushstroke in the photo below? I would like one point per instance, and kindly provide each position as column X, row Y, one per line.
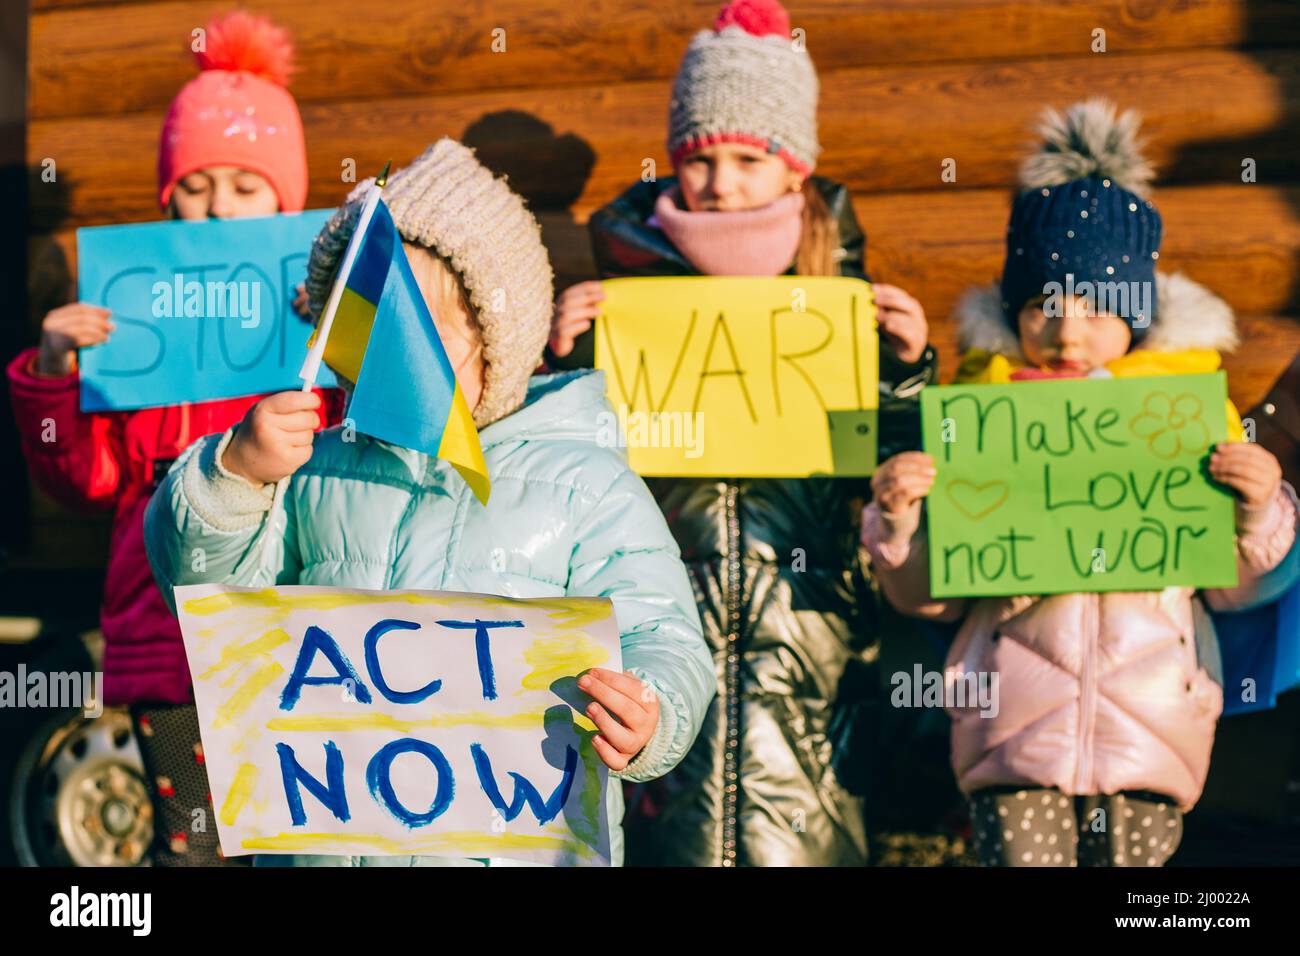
column 523, row 720
column 465, row 842
column 240, row 790
column 238, row 627
column 240, row 744
column 243, row 698
column 236, row 653
column 569, row 612
column 552, row 658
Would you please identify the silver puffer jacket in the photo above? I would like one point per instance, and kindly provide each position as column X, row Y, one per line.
column 778, row 773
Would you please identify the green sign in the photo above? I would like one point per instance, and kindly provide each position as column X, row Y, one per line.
column 1080, row 485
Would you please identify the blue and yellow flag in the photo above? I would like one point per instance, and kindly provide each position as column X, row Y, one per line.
column 383, row 339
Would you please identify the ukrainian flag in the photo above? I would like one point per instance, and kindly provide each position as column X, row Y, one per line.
column 383, row 339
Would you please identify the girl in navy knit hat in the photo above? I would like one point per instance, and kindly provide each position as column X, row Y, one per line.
column 1113, row 702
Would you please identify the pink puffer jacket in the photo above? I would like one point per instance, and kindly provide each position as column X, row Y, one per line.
column 1096, row 693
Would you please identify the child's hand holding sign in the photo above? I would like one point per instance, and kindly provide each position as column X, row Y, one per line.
column 1250, row 470
column 902, row 321
column 575, row 309
column 275, row 438
column 625, row 710
column 900, row 484
column 68, row 328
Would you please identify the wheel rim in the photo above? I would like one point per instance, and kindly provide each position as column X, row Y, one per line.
column 86, row 801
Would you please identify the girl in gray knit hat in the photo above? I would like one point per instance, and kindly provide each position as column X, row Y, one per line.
column 795, row 678
column 566, row 515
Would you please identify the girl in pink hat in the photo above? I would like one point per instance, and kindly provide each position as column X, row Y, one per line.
column 232, row 147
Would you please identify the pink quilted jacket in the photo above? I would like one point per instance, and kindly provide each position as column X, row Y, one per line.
column 1096, row 693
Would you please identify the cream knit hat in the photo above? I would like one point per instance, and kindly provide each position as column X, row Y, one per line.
column 450, row 203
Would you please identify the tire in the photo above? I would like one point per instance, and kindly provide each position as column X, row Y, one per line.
column 78, row 795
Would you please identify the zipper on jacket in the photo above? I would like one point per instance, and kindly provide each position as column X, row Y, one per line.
column 1088, row 693
column 731, row 756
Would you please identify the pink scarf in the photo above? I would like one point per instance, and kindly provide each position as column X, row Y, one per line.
column 750, row 242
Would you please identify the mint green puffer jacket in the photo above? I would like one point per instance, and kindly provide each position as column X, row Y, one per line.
column 566, row 517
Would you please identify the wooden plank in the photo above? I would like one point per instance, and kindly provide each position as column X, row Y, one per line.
column 1243, row 242
column 569, row 245
column 38, row 6
column 885, row 130
column 87, row 60
column 937, row 245
column 1268, row 346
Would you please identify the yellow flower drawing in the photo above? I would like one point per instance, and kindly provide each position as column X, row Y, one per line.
column 1171, row 425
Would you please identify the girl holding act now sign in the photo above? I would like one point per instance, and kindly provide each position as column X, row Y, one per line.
column 566, row 515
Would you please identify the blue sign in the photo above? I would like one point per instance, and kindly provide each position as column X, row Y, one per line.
column 203, row 310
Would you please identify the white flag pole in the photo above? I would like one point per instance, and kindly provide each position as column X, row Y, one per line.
column 311, row 364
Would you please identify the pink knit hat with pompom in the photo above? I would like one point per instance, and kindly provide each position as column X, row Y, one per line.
column 237, row 112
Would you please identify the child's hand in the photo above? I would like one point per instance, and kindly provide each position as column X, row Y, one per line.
column 625, row 709
column 274, row 439
column 574, row 310
column 1248, row 469
column 901, row 482
column 67, row 329
column 902, row 321
column 301, row 301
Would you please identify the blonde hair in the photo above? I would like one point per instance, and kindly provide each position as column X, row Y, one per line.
column 816, row 254
column 453, row 299
column 453, row 302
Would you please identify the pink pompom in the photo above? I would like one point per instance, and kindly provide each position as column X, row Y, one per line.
column 242, row 41
column 759, row 17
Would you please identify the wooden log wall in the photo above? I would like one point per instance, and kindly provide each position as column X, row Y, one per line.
column 578, row 100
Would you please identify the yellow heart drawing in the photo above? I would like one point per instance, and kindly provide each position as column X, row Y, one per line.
column 976, row 501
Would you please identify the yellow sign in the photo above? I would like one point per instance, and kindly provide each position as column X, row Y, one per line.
column 741, row 376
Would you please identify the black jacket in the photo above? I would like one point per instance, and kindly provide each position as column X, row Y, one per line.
column 777, row 775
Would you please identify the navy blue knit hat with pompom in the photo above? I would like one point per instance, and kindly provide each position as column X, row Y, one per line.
column 1083, row 213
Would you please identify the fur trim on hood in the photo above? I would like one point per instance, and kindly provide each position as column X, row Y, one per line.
column 1188, row 316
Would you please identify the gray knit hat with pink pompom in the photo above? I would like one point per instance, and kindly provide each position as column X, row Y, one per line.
column 450, row 203
column 747, row 81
